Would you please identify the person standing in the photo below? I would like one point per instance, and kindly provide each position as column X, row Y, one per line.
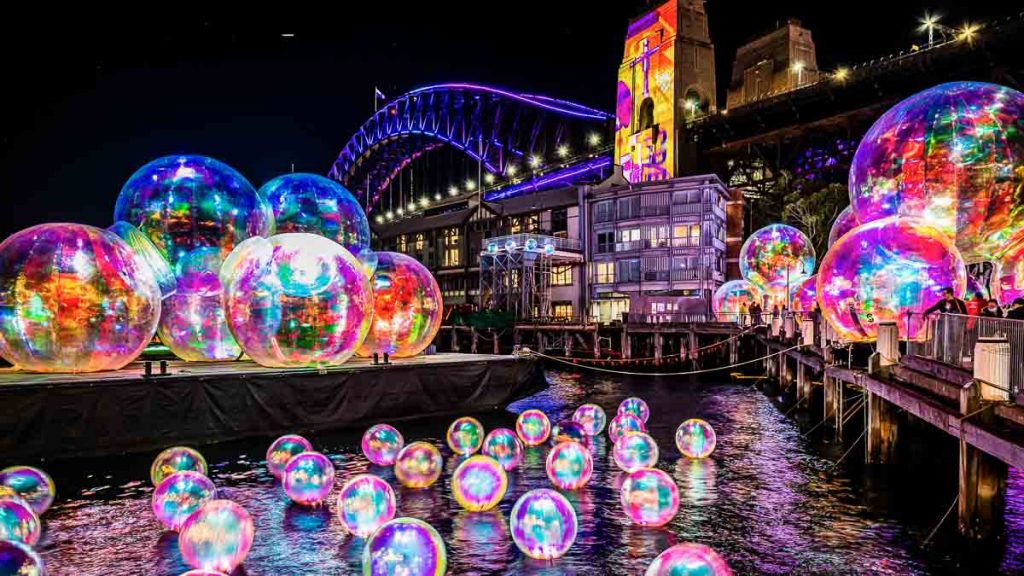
column 1016, row 311
column 991, row 309
column 949, row 304
column 755, row 314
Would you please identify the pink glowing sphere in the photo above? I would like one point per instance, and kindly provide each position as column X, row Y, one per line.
column 567, row 431
column 465, row 436
column 592, row 418
column 635, row 450
column 649, row 497
column 695, row 438
column 406, row 547
column 805, row 295
column 775, row 252
column 479, row 483
column 622, row 424
column 635, row 406
column 308, row 478
column 734, row 298
column 844, row 222
column 365, row 503
column 504, row 446
column 18, row 559
column 179, row 495
column 533, row 427
column 884, row 270
column 218, row 536
column 18, row 522
column 193, row 323
column 284, row 449
column 1009, row 275
column 176, row 459
column 407, row 307
column 689, row 559
column 381, row 444
column 418, row 465
column 569, row 465
column 543, row 524
column 31, row 485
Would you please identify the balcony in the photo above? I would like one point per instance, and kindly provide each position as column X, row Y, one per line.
column 631, row 245
column 686, row 242
column 530, row 241
column 656, row 276
column 658, row 210
column 685, row 274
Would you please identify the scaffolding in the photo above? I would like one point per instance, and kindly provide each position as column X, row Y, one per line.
column 515, row 272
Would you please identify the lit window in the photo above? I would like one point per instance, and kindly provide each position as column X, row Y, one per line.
column 419, row 242
column 451, row 248
column 561, row 276
column 604, row 272
column 561, row 309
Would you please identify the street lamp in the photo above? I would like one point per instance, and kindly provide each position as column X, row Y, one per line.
column 510, row 170
column 968, row 31
column 841, row 74
column 453, row 190
column 594, row 139
column 562, row 151
column 929, row 24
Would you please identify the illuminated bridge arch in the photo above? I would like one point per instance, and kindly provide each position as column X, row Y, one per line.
column 509, row 134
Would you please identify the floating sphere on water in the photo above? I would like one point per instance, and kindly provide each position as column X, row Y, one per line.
column 179, row 495
column 689, row 559
column 148, row 254
column 365, row 503
column 805, row 295
column 695, row 438
column 308, row 478
column 543, row 524
column 381, row 444
column 405, row 546
column 843, row 223
column 418, row 465
column 218, row 536
column 18, row 522
column 201, row 572
column 31, row 485
column 17, row 559
column 297, row 300
column 734, row 298
column 479, row 483
column 567, row 431
column 649, row 497
column 883, row 271
column 635, row 450
column 591, row 418
column 74, row 298
column 407, row 307
column 504, row 446
column 193, row 323
column 635, row 406
column 465, row 435
column 533, row 427
column 569, row 465
column 622, row 424
column 176, row 459
column 775, row 252
column 284, row 449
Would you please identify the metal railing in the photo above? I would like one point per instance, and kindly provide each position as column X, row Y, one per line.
column 522, row 240
column 631, row 245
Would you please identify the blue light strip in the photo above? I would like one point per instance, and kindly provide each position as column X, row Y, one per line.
column 553, row 104
column 589, row 167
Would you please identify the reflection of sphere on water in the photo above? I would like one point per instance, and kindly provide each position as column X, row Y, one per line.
column 843, row 223
column 622, row 424
column 770, row 252
column 74, row 298
column 649, row 497
column 504, row 446
column 591, row 417
column 179, row 495
column 381, row 444
column 317, row 205
column 297, row 300
column 1009, row 275
column 695, row 438
column 418, row 465
column 465, row 435
column 218, row 536
column 365, row 503
column 543, row 524
column 407, row 307
column 952, row 156
column 635, row 450
column 805, row 295
column 31, row 485
column 405, row 546
column 308, row 478
column 176, row 459
column 735, row 297
column 283, row 449
column 569, row 465
column 567, row 431
column 883, row 270
column 148, row 254
column 193, row 322
column 689, row 559
column 18, row 522
column 479, row 483
column 201, row 572
column 187, row 202
column 20, row 560
column 533, row 427
column 635, row 406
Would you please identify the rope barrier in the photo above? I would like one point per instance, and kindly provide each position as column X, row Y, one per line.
column 685, row 373
column 665, row 357
column 943, row 520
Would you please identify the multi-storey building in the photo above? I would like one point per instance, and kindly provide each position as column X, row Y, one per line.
column 779, row 61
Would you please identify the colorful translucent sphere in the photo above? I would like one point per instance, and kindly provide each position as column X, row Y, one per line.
column 844, row 222
column 1009, row 275
column 365, row 503
column 418, row 465
column 284, row 449
column 405, row 546
column 533, row 427
column 297, row 300
column 622, row 424
column 201, row 572
column 695, row 438
column 543, row 524
column 187, row 202
column 567, row 431
column 18, row 522
column 882, row 271
column 176, row 459
column 74, row 298
column 17, row 559
column 768, row 253
column 569, row 465
column 218, row 536
column 31, row 485
column 952, row 155
column 649, row 497
column 734, row 298
column 465, row 436
column 479, row 483
column 407, row 307
column 805, row 295
column 179, row 495
column 308, row 478
column 689, row 559
column 381, row 444
column 635, row 450
column 193, row 323
column 148, row 254
column 591, row 418
column 635, row 406
column 318, row 205
column 504, row 446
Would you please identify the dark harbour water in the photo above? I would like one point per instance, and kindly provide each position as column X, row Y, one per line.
column 769, row 500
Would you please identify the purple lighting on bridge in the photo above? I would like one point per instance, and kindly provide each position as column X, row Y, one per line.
column 593, row 166
column 553, row 104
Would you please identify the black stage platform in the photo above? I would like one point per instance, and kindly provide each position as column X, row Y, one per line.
column 66, row 415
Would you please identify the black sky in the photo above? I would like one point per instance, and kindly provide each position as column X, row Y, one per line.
column 90, row 96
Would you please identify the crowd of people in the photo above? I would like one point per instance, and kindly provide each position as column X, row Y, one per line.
column 979, row 306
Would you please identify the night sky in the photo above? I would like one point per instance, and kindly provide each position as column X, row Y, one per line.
column 90, row 96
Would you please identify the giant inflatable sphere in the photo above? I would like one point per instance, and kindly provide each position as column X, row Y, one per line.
column 776, row 254
column 804, row 296
column 882, row 271
column 406, row 307
column 297, row 300
column 952, row 155
column 734, row 298
column 74, row 298
column 148, row 253
column 193, row 323
column 1009, row 275
column 844, row 222
column 187, row 202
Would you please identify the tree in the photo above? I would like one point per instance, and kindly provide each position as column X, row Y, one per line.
column 813, row 210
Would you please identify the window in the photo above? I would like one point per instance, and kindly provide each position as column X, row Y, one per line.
column 604, row 272
column 604, row 211
column 657, row 235
column 451, row 256
column 686, row 234
column 561, row 276
column 629, row 234
column 605, row 242
column 646, row 115
column 525, row 223
column 418, row 245
column 561, row 309
column 559, row 220
column 401, row 243
column 629, row 207
column 628, row 270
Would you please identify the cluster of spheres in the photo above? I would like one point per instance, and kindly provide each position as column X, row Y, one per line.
column 734, row 298
column 26, row 493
